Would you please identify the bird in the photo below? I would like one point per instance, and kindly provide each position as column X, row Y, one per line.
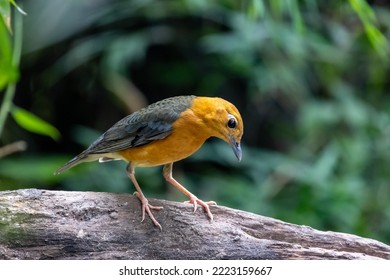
column 163, row 133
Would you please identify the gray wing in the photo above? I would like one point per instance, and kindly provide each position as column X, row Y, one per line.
column 142, row 127
column 122, row 136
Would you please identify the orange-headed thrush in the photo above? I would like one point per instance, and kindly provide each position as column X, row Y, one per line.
column 163, row 133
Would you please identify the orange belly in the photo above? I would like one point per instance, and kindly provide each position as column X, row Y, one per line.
column 185, row 139
column 162, row 151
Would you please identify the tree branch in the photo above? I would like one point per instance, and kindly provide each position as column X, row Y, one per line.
column 39, row 224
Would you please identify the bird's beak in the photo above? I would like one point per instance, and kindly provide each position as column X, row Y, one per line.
column 236, row 148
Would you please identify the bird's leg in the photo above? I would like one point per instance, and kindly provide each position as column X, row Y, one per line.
column 146, row 207
column 167, row 172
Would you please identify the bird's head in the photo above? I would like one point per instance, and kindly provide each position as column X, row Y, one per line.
column 223, row 121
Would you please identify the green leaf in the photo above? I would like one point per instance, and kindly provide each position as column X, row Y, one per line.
column 8, row 72
column 33, row 123
column 5, row 13
column 374, row 35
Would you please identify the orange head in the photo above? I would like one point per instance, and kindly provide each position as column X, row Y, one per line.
column 222, row 120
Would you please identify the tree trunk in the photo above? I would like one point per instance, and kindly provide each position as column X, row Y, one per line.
column 40, row 224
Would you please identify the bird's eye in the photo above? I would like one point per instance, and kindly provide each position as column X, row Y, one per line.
column 232, row 123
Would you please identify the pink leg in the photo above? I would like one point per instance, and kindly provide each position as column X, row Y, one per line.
column 146, row 207
column 167, row 172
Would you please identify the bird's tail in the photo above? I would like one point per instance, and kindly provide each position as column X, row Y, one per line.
column 76, row 160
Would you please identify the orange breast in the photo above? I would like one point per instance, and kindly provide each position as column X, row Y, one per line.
column 186, row 138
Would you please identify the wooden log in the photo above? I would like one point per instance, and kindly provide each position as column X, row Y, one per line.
column 41, row 224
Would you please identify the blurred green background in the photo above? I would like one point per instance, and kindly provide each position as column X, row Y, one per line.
column 311, row 79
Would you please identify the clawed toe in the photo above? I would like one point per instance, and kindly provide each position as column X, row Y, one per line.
column 146, row 207
column 206, row 205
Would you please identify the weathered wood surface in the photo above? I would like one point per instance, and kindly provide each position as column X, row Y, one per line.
column 39, row 224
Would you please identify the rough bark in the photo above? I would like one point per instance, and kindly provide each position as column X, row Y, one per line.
column 40, row 224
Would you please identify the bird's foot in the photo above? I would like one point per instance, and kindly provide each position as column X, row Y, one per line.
column 206, row 205
column 146, row 207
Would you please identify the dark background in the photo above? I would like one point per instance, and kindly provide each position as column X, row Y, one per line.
column 310, row 78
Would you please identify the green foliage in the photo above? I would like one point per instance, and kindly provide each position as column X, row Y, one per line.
column 310, row 78
column 9, row 74
column 375, row 36
column 32, row 123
